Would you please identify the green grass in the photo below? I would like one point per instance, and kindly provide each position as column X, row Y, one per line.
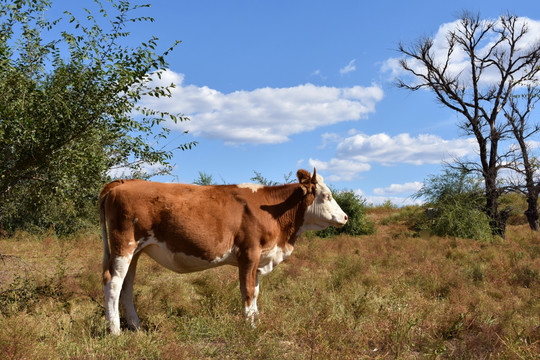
column 388, row 295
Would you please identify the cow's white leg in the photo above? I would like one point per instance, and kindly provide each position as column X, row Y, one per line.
column 251, row 311
column 249, row 286
column 113, row 287
column 126, row 295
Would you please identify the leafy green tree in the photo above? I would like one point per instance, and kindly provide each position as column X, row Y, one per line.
column 456, row 202
column 355, row 208
column 70, row 110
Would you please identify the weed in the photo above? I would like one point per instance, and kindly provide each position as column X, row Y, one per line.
column 454, row 329
column 525, row 276
column 359, row 307
column 346, row 268
column 476, row 272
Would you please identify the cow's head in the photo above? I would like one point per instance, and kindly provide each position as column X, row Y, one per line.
column 323, row 211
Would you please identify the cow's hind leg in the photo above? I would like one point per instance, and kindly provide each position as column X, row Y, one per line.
column 118, row 269
column 126, row 295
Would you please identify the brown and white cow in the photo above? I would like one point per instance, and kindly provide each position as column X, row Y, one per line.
column 189, row 228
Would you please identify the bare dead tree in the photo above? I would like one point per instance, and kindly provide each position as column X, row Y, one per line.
column 524, row 164
column 478, row 88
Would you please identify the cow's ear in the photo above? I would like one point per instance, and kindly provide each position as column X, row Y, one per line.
column 304, row 178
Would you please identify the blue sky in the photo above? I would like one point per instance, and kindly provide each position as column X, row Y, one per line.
column 274, row 86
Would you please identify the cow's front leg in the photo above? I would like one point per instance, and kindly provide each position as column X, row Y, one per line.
column 251, row 311
column 249, row 286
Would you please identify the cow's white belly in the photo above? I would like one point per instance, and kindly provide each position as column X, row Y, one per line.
column 271, row 258
column 184, row 263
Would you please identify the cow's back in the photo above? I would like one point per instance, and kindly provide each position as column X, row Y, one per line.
column 201, row 221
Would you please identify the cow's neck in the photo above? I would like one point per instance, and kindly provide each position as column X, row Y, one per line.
column 289, row 212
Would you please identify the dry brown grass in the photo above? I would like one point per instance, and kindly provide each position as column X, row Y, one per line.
column 388, row 295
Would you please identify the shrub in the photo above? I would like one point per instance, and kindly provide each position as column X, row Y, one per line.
column 462, row 220
column 412, row 216
column 355, row 208
column 516, row 204
column 458, row 200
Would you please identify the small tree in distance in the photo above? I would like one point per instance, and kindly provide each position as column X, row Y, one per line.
column 260, row 179
column 204, row 179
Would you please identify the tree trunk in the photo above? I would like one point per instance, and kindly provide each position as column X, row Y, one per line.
column 532, row 211
column 498, row 225
column 532, row 191
column 497, row 219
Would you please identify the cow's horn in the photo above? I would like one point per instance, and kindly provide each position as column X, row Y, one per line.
column 314, row 177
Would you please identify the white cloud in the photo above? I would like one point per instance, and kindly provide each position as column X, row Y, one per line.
column 265, row 115
column 533, row 144
column 407, row 188
column 402, row 148
column 340, row 170
column 127, row 172
column 395, row 200
column 350, row 67
column 459, row 64
column 317, row 73
column 356, row 153
column 329, row 138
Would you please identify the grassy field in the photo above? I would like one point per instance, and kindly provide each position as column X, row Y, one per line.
column 388, row 295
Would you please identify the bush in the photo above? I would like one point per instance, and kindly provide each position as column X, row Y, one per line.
column 39, row 209
column 462, row 220
column 457, row 199
column 413, row 216
column 516, row 204
column 355, row 208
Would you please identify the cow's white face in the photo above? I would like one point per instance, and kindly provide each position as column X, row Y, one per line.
column 324, row 211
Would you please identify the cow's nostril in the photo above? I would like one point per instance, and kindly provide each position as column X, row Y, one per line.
column 346, row 218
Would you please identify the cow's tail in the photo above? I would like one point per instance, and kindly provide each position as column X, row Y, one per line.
column 103, row 220
column 106, row 248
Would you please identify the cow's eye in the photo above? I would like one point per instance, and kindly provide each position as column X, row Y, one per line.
column 327, row 197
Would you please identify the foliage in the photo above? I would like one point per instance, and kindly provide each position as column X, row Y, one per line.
column 413, row 216
column 456, row 200
column 71, row 110
column 388, row 205
column 458, row 219
column 204, row 179
column 355, row 208
column 516, row 203
column 260, row 179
